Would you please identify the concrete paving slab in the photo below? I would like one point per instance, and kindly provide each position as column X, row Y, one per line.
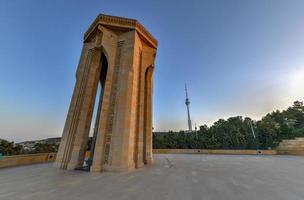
column 178, row 177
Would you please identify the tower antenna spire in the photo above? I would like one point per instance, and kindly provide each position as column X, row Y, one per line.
column 187, row 102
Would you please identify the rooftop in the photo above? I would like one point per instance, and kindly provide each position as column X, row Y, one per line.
column 122, row 23
column 218, row 177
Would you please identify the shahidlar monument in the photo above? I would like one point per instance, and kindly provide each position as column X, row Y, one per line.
column 118, row 57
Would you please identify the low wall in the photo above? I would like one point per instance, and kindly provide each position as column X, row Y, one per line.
column 291, row 147
column 291, row 152
column 214, row 151
column 26, row 159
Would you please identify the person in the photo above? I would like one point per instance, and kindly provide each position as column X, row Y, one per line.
column 1, row 154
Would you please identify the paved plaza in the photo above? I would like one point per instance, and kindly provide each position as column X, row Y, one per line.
column 216, row 177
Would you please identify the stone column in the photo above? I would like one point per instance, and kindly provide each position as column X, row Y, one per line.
column 148, row 117
column 98, row 157
column 138, row 121
column 68, row 136
column 120, row 157
column 148, row 64
column 109, row 44
column 87, row 106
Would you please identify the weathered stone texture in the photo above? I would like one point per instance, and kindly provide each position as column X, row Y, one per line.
column 292, row 147
column 124, row 127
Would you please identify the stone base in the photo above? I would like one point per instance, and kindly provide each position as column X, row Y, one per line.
column 119, row 169
column 57, row 165
column 149, row 161
column 96, row 169
column 139, row 165
column 109, row 168
column 72, row 166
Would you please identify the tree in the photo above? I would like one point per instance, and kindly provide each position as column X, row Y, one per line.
column 9, row 148
column 236, row 133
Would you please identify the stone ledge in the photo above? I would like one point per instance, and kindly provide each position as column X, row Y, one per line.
column 215, row 151
column 127, row 23
column 26, row 159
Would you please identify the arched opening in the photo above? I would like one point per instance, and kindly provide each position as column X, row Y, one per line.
column 147, row 113
column 96, row 114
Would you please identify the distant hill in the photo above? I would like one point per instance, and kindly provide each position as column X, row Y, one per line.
column 55, row 140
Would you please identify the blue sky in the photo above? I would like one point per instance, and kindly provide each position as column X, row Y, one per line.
column 238, row 57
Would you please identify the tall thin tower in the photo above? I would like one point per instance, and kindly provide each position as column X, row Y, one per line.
column 187, row 102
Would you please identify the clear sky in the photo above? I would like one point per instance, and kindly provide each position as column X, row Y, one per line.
column 238, row 57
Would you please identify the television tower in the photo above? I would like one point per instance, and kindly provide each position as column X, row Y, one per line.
column 187, row 102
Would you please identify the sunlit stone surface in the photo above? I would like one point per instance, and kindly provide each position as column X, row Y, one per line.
column 181, row 177
column 118, row 57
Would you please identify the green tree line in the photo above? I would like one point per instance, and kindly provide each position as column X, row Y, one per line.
column 238, row 132
column 9, row 148
column 233, row 133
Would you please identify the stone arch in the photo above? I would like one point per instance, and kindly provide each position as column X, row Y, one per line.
column 104, row 65
column 74, row 143
column 147, row 136
column 105, row 53
column 96, row 78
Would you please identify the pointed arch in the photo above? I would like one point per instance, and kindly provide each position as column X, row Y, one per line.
column 147, row 137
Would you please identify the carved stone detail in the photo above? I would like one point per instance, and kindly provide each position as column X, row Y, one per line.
column 113, row 100
column 121, row 22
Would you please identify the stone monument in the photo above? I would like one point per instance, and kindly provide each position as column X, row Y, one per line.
column 118, row 55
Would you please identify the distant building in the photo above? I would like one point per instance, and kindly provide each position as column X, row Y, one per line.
column 29, row 145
